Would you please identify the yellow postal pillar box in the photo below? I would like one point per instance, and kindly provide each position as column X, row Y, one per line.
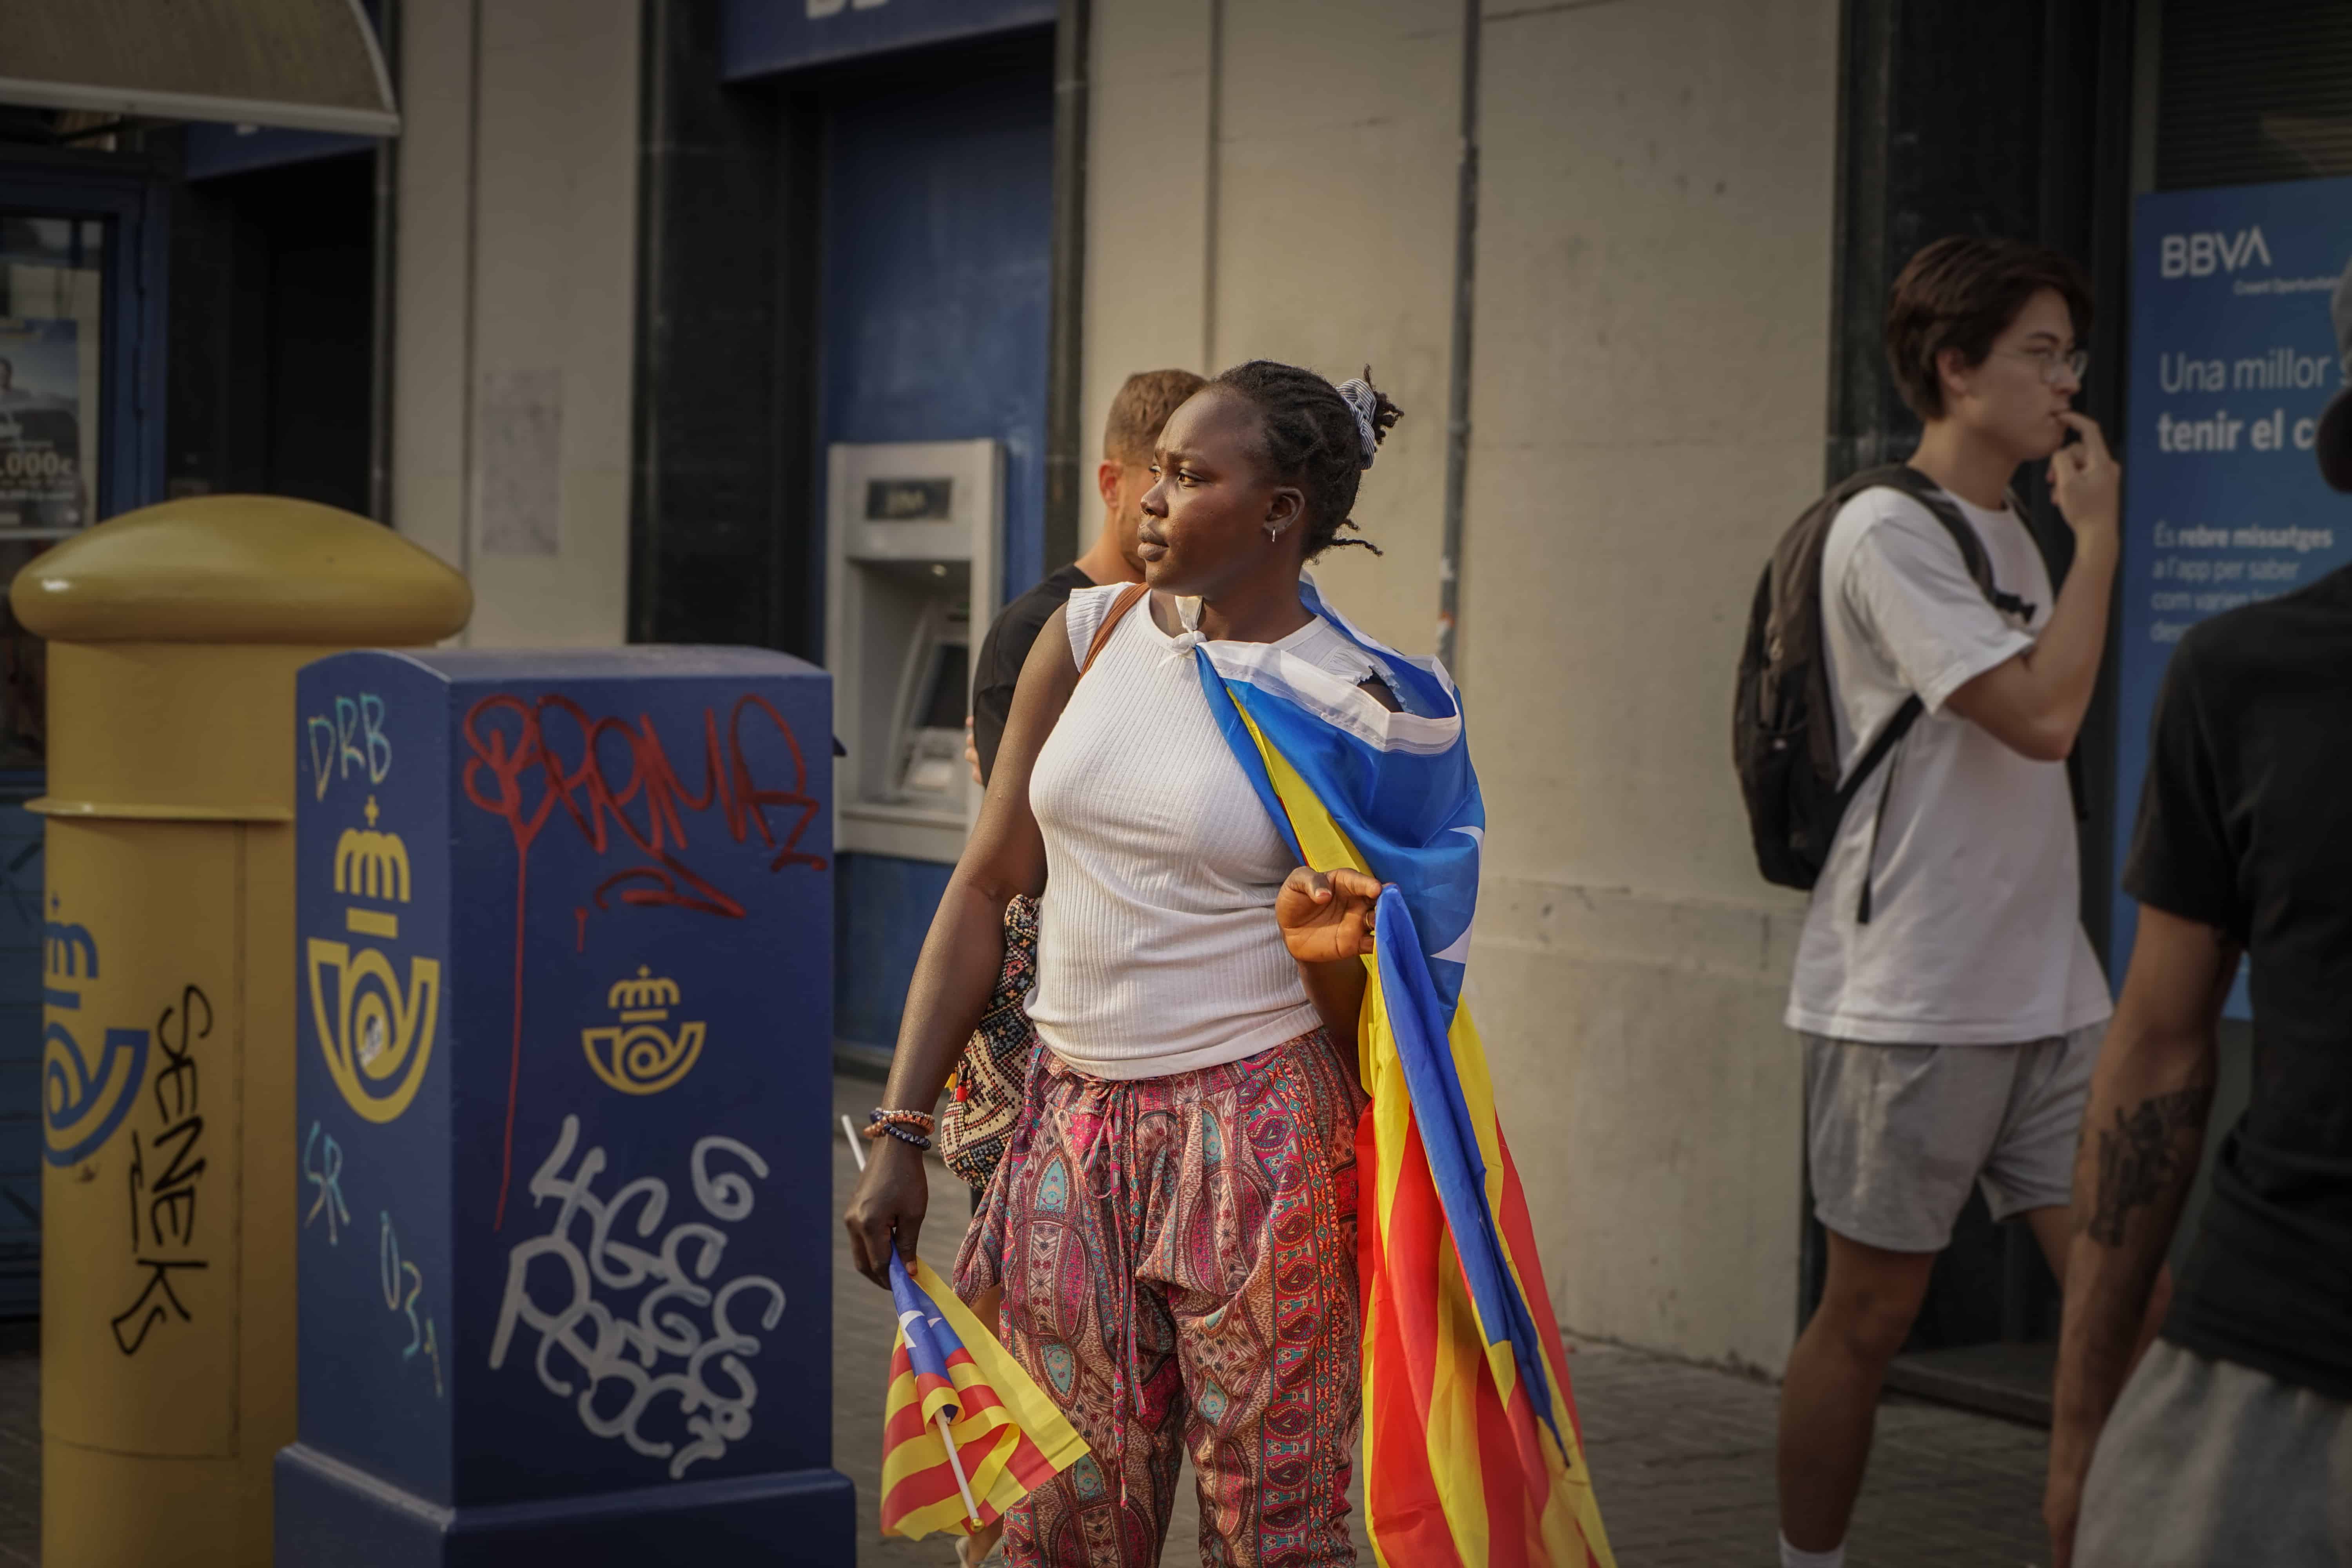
column 167, row 1048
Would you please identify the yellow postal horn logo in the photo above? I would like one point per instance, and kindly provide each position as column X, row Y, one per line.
column 377, row 1037
column 638, row 1055
column 84, row 1100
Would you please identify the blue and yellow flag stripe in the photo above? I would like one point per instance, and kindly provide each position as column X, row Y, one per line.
column 1472, row 1454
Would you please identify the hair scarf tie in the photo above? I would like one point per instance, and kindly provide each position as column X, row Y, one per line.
column 1364, row 404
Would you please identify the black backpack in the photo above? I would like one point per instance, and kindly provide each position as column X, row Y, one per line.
column 1783, row 726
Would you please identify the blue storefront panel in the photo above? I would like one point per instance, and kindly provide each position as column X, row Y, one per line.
column 936, row 282
column 2233, row 359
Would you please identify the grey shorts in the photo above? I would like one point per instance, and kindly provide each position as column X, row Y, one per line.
column 2206, row 1462
column 1895, row 1135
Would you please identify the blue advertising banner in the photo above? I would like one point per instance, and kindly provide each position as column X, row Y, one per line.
column 757, row 37
column 2232, row 360
column 564, row 1112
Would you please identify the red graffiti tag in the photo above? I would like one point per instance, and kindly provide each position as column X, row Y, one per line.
column 618, row 785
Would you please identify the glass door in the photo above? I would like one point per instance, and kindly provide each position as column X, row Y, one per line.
column 81, row 345
column 52, row 429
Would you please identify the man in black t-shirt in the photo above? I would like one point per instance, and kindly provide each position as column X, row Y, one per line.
column 1143, row 404
column 2232, row 1442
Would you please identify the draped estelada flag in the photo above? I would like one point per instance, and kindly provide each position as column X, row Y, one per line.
column 1009, row 1435
column 1472, row 1454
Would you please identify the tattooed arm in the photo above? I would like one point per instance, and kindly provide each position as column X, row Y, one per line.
column 2141, row 1140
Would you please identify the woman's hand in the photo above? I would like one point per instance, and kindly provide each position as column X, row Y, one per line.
column 1327, row 915
column 888, row 1206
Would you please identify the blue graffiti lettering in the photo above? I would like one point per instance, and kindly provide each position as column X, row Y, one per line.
column 327, row 1176
column 395, row 1274
column 347, row 723
column 351, row 740
column 377, row 744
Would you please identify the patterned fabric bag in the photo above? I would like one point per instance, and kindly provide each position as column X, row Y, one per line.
column 984, row 1094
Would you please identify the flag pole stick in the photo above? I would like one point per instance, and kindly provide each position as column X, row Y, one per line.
column 955, row 1463
column 851, row 1133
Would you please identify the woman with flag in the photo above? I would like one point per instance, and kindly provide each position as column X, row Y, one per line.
column 1263, row 833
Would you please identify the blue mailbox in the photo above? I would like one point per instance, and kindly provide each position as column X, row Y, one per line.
column 564, row 938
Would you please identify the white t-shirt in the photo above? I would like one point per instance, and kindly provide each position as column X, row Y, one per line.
column 1974, row 937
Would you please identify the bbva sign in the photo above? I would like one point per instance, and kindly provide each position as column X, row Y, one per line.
column 2202, row 255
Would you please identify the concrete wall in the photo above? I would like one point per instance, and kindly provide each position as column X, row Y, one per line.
column 516, row 309
column 1648, row 410
column 1650, row 405
column 1276, row 180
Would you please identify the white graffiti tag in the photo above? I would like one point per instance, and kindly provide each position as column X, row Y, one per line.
column 620, row 1367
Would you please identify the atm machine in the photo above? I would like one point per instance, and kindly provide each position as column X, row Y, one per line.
column 911, row 583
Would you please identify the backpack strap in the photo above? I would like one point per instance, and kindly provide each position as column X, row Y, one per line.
column 1129, row 597
column 1911, row 483
column 1888, row 739
column 1907, row 480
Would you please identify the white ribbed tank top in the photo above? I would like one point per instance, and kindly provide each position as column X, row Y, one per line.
column 1157, row 947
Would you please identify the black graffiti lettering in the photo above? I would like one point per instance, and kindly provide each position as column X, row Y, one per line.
column 170, row 1202
column 181, row 1076
column 187, row 1132
column 161, row 1279
column 177, row 1191
column 180, row 1210
column 137, row 1175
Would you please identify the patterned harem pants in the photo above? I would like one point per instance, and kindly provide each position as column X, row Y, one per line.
column 1177, row 1257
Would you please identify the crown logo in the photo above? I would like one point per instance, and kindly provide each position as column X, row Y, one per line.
column 636, row 1054
column 371, row 865
column 644, row 998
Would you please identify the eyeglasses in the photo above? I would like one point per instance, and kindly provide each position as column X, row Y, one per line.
column 2055, row 366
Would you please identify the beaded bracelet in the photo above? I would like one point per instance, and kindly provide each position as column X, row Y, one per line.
column 910, row 1127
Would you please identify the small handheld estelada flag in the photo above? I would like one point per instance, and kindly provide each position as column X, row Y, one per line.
column 966, row 1434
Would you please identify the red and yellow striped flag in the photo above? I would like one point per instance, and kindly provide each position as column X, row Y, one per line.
column 948, row 1372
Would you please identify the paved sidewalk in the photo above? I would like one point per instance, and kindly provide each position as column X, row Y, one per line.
column 1682, row 1455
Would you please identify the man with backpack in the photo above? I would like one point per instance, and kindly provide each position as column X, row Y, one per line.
column 1907, row 708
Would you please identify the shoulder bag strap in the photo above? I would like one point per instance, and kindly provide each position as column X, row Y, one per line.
column 1129, row 597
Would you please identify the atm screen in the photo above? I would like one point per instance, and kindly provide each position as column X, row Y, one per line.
column 943, row 704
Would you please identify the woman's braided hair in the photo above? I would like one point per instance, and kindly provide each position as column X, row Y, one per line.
column 1312, row 439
